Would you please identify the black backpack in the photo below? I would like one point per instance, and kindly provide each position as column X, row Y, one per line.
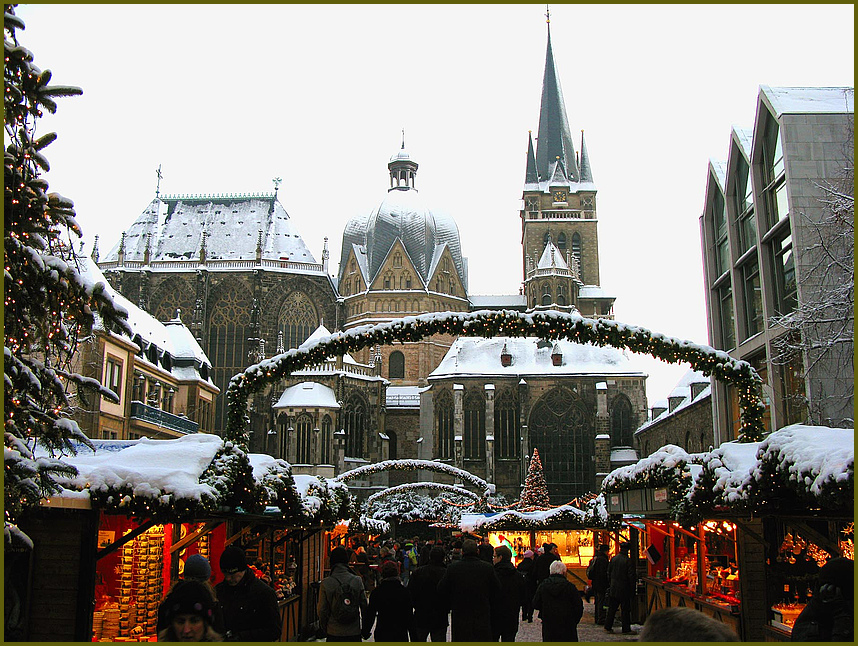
column 345, row 608
column 590, row 568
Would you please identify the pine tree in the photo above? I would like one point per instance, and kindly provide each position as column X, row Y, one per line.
column 535, row 493
column 48, row 305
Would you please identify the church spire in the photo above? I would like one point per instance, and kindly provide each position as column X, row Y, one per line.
column 530, row 175
column 554, row 138
column 586, row 171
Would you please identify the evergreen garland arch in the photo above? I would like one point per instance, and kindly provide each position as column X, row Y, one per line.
column 411, row 465
column 549, row 324
column 410, row 486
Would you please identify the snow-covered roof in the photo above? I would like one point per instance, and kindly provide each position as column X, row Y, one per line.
column 479, row 356
column 552, row 258
column 625, row 454
column 719, row 171
column 322, row 332
column 800, row 100
column 499, row 301
column 174, row 227
column 307, row 394
column 593, row 291
column 682, row 389
column 172, row 337
column 404, row 396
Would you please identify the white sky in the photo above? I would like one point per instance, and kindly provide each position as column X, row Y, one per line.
column 226, row 97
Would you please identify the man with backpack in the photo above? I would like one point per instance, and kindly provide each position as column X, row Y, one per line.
column 410, row 559
column 342, row 601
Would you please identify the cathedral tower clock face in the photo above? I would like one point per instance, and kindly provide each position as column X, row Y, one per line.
column 559, row 196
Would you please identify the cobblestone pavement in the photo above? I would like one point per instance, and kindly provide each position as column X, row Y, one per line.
column 588, row 631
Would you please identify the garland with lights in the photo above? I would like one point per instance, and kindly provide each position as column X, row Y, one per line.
column 48, row 306
column 412, row 465
column 484, row 323
column 409, row 506
column 436, row 486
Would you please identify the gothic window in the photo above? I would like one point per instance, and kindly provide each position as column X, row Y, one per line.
column 392, row 448
column 407, row 281
column 506, row 425
column 355, row 426
column 546, row 237
column 546, row 294
column 444, row 421
column 531, row 204
column 326, row 441
column 304, row 438
column 475, row 425
column 228, row 334
column 357, row 285
column 396, row 365
column 561, row 242
column 452, row 287
column 298, row 318
column 387, row 282
column 397, row 260
column 687, row 446
column 561, row 296
column 621, row 421
column 173, row 294
column 577, row 248
column 559, row 429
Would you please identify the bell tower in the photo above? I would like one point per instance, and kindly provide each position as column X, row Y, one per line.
column 559, row 201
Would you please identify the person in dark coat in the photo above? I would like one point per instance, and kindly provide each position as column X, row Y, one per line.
column 599, row 577
column 526, row 569
column 544, row 561
column 486, row 552
column 430, row 611
column 189, row 614
column 829, row 615
column 470, row 587
column 621, row 575
column 390, row 609
column 511, row 598
column 559, row 604
column 249, row 606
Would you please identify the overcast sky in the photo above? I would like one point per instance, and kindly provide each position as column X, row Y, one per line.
column 226, row 97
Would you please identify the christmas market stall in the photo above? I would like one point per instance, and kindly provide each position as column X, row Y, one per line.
column 719, row 528
column 105, row 550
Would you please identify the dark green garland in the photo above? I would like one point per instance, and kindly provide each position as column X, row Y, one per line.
column 547, row 325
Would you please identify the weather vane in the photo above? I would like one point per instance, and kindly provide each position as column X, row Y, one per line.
column 158, row 185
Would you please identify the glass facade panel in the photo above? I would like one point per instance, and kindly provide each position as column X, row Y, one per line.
column 719, row 226
column 752, row 297
column 725, row 300
column 784, row 273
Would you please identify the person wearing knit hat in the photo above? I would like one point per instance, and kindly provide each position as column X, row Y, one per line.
column 250, row 611
column 197, row 568
column 529, row 574
column 189, row 611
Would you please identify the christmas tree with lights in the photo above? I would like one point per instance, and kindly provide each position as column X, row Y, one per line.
column 48, row 305
column 534, row 496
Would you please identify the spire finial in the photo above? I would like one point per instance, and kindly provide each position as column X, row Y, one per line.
column 277, row 181
column 158, row 184
column 547, row 15
column 403, row 139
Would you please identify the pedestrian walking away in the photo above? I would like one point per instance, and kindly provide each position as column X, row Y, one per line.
column 430, row 611
column 526, row 569
column 470, row 587
column 342, row 602
column 390, row 609
column 559, row 604
column 511, row 599
column 621, row 587
column 249, row 606
column 597, row 572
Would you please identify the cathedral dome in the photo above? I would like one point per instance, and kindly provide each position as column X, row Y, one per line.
column 405, row 216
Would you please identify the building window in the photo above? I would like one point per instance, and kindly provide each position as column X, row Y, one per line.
column 561, row 241
column 355, row 420
column 774, row 193
column 559, row 429
column 167, row 401
column 396, row 365
column 506, row 425
column 113, row 376
column 734, row 420
column 577, row 249
column 752, row 299
column 621, row 421
column 475, row 425
column 397, row 260
column 725, row 303
column 387, row 282
column 744, row 202
column 784, row 273
column 758, row 363
column 137, row 387
column 546, row 294
column 204, row 415
column 561, row 298
column 326, row 440
column 444, row 430
column 303, row 439
column 531, row 204
column 792, row 385
column 391, row 445
column 719, row 234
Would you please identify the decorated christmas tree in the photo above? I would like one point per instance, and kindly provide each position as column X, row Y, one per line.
column 48, row 305
column 535, row 493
